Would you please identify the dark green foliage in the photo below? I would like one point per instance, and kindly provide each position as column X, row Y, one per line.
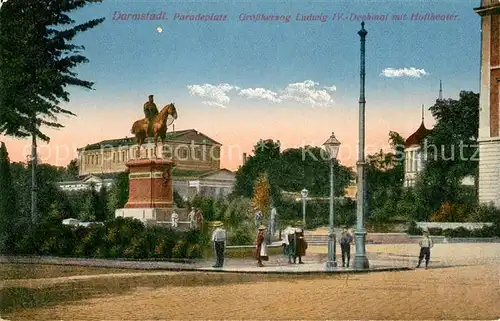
column 384, row 181
column 36, row 62
column 317, row 213
column 9, row 211
column 118, row 195
column 178, row 200
column 290, row 170
column 118, row 238
column 452, row 153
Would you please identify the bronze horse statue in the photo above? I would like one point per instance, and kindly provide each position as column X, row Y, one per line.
column 159, row 126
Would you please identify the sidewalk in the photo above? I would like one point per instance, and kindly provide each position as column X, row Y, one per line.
column 276, row 264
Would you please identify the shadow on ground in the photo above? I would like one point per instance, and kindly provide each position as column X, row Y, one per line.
column 13, row 298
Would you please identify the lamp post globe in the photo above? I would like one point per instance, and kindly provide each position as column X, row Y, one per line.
column 332, row 146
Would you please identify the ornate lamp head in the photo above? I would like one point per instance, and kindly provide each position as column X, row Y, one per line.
column 332, row 146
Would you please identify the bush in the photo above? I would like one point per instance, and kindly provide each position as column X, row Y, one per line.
column 413, row 229
column 118, row 238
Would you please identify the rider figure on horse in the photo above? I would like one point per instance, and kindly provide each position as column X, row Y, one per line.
column 150, row 111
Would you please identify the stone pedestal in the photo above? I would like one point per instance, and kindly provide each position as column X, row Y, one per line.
column 151, row 193
column 150, row 183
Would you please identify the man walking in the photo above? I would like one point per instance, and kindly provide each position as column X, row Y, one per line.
column 425, row 249
column 219, row 237
column 345, row 246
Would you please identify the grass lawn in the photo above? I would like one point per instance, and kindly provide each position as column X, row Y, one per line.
column 12, row 271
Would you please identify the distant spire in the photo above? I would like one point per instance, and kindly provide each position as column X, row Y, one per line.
column 422, row 113
column 440, row 90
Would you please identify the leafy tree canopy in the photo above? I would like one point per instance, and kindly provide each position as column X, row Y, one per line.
column 37, row 57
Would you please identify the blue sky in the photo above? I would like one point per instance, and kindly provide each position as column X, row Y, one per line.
column 129, row 58
column 240, row 81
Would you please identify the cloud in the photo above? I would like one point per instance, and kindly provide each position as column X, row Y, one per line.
column 403, row 72
column 260, row 93
column 212, row 95
column 307, row 92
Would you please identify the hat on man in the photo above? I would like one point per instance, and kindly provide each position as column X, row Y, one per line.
column 262, row 227
column 217, row 224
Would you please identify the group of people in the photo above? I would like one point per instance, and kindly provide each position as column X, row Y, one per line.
column 295, row 246
column 195, row 218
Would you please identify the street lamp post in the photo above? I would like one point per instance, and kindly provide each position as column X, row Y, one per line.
column 332, row 146
column 360, row 259
column 304, row 194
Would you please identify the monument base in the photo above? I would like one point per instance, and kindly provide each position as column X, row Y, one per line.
column 156, row 216
column 150, row 183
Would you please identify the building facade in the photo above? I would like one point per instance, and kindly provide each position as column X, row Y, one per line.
column 196, row 155
column 489, row 103
column 414, row 155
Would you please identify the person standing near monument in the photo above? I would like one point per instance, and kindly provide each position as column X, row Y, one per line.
column 192, row 219
column 346, row 240
column 425, row 249
column 219, row 237
column 174, row 220
column 300, row 245
column 272, row 221
column 288, row 243
column 150, row 112
column 261, row 247
column 199, row 219
column 258, row 217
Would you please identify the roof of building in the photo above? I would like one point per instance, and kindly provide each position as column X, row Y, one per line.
column 197, row 174
column 187, row 136
column 418, row 136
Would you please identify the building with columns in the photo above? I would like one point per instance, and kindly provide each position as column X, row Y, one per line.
column 489, row 103
column 196, row 155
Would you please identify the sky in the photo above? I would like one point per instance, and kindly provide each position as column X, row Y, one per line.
column 239, row 80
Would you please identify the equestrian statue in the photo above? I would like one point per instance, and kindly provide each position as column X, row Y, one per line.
column 154, row 125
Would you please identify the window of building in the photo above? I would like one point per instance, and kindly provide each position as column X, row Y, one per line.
column 146, row 151
column 198, row 154
column 114, row 157
column 124, row 156
column 167, row 151
column 216, row 153
column 183, row 153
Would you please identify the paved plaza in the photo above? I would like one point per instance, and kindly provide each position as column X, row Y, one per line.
column 382, row 257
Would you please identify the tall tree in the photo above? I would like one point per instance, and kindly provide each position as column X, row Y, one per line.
column 8, row 202
column 451, row 152
column 265, row 158
column 37, row 58
column 385, row 174
column 261, row 194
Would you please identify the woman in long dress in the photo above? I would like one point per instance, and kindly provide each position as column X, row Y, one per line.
column 289, row 243
column 261, row 247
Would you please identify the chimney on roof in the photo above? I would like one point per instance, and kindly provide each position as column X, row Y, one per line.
column 244, row 158
column 173, row 127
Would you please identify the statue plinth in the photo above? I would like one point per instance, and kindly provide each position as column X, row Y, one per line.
column 150, row 183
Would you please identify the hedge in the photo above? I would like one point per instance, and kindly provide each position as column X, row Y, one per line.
column 118, row 238
column 486, row 231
